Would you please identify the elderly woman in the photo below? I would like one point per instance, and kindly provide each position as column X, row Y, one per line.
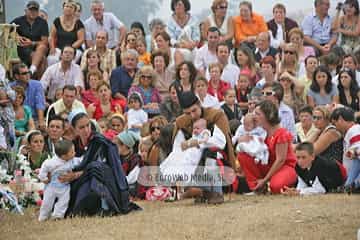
column 348, row 26
column 280, row 26
column 329, row 144
column 66, row 30
column 305, row 128
column 160, row 62
column 98, row 184
column 145, row 85
column 280, row 170
column 182, row 26
column 93, row 64
column 220, row 20
column 23, row 116
column 322, row 91
column 248, row 25
column 296, row 37
column 156, row 26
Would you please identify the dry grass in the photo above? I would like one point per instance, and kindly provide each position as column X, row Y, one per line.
column 244, row 217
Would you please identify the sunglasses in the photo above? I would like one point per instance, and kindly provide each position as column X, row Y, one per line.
column 146, row 76
column 24, row 73
column 268, row 93
column 316, row 118
column 222, row 7
column 289, row 52
column 154, row 128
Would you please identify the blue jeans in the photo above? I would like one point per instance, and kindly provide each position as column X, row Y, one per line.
column 354, row 174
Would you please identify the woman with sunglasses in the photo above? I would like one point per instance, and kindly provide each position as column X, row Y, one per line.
column 322, row 91
column 290, row 61
column 220, row 20
column 329, row 143
column 129, row 41
column 145, row 85
column 348, row 26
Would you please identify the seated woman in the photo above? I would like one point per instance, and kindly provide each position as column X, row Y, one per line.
column 322, row 91
column 106, row 105
column 348, row 26
column 144, row 84
column 290, row 61
column 33, row 149
column 89, row 95
column 248, row 25
column 170, row 108
column 280, row 170
column 185, row 75
column 156, row 26
column 23, row 116
column 66, row 30
column 220, row 19
column 92, row 63
column 98, row 184
column 329, row 143
column 160, row 62
column 245, row 60
column 349, row 93
column 305, row 128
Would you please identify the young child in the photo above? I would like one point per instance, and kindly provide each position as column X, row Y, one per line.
column 144, row 57
column 230, row 107
column 103, row 123
column 114, row 126
column 250, row 139
column 201, row 90
column 243, row 89
column 186, row 154
column 136, row 116
column 61, row 163
column 316, row 175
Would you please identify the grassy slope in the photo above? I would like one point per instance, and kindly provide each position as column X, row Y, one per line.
column 244, row 217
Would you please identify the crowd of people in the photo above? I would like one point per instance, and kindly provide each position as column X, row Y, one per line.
column 95, row 104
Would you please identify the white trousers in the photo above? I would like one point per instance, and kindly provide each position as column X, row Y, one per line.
column 50, row 194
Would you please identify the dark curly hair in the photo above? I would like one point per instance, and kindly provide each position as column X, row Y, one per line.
column 270, row 111
column 185, row 2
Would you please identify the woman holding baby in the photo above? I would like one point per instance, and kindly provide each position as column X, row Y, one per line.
column 280, row 169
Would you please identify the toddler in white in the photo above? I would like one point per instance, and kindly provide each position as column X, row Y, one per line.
column 50, row 171
column 250, row 139
column 136, row 116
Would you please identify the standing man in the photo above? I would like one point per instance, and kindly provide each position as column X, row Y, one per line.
column 34, row 93
column 65, row 72
column 106, row 21
column 33, row 37
column 317, row 28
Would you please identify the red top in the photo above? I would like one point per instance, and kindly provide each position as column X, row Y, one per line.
column 113, row 102
column 88, row 97
column 281, row 135
column 220, row 92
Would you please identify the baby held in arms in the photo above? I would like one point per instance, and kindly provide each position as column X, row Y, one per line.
column 250, row 139
column 199, row 136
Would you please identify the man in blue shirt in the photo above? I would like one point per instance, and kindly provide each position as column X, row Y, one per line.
column 123, row 76
column 34, row 93
column 317, row 28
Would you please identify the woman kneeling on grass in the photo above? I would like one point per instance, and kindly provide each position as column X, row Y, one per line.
column 280, row 170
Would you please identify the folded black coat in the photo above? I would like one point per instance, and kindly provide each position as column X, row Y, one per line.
column 103, row 179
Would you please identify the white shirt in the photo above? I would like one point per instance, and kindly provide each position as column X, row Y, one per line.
column 316, row 188
column 230, row 74
column 351, row 139
column 55, row 78
column 111, row 24
column 204, row 58
column 279, row 38
column 136, row 117
column 210, row 101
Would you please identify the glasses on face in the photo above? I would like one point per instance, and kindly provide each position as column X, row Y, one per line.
column 268, row 93
column 24, row 73
column 154, row 128
column 222, row 7
column 317, row 118
column 289, row 52
column 148, row 77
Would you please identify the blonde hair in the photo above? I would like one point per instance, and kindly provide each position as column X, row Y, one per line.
column 216, row 65
column 216, row 3
column 145, row 69
column 324, row 111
